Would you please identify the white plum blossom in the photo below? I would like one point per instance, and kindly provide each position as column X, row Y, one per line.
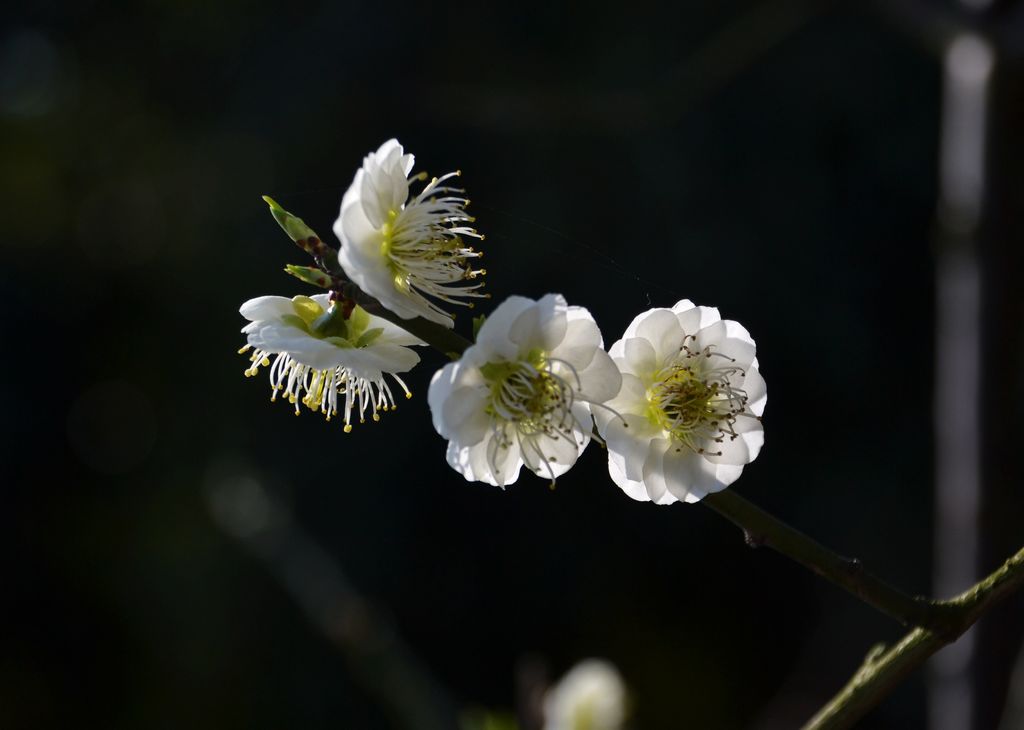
column 523, row 393
column 688, row 416
column 320, row 356
column 406, row 249
column 592, row 696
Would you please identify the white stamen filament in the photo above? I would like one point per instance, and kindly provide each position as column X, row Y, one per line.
column 696, row 402
column 319, row 389
column 529, row 403
column 424, row 246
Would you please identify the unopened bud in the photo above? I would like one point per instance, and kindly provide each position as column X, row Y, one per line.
column 294, row 226
column 310, row 275
column 304, row 236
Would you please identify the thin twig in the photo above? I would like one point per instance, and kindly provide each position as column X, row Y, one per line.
column 882, row 671
column 762, row 528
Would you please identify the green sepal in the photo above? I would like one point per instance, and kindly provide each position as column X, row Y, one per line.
column 478, row 322
column 294, row 226
column 369, row 336
column 338, row 341
column 309, row 275
column 331, row 324
column 295, row 321
column 358, row 320
column 306, row 308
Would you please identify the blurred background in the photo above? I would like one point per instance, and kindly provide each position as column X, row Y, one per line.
column 843, row 178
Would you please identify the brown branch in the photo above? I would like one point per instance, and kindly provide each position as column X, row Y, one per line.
column 762, row 528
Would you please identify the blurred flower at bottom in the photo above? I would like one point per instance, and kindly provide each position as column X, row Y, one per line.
column 591, row 696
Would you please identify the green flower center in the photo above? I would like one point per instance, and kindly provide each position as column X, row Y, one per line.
column 694, row 402
column 330, row 325
column 528, row 394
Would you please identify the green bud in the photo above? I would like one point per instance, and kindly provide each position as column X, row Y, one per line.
column 310, row 275
column 294, row 226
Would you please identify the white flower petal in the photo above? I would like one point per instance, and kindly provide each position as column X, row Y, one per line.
column 494, row 334
column 504, row 460
column 590, row 697
column 683, row 305
column 737, row 331
column 662, row 330
column 689, row 320
column 362, row 238
column 386, row 148
column 629, row 436
column 733, row 450
column 486, row 461
column 542, row 325
column 385, row 356
column 726, row 474
column 313, row 371
column 757, row 391
column 464, row 412
column 393, row 334
column 442, row 384
column 708, row 316
column 369, row 198
column 472, row 463
column 550, row 457
column 679, row 397
column 710, row 336
column 653, row 473
column 601, row 379
column 581, row 339
column 631, row 400
column 405, row 249
column 634, row 488
column 536, row 397
column 637, row 321
column 689, row 476
column 268, row 307
column 640, row 358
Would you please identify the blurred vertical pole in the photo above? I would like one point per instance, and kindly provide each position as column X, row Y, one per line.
column 979, row 379
column 968, row 67
column 1001, row 246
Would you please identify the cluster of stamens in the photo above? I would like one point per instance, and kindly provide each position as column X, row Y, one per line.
column 530, row 400
column 424, row 245
column 693, row 398
column 320, row 390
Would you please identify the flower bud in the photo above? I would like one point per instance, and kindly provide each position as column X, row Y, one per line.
column 294, row 226
column 310, row 275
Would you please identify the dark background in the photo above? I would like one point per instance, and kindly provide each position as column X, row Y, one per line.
column 775, row 159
